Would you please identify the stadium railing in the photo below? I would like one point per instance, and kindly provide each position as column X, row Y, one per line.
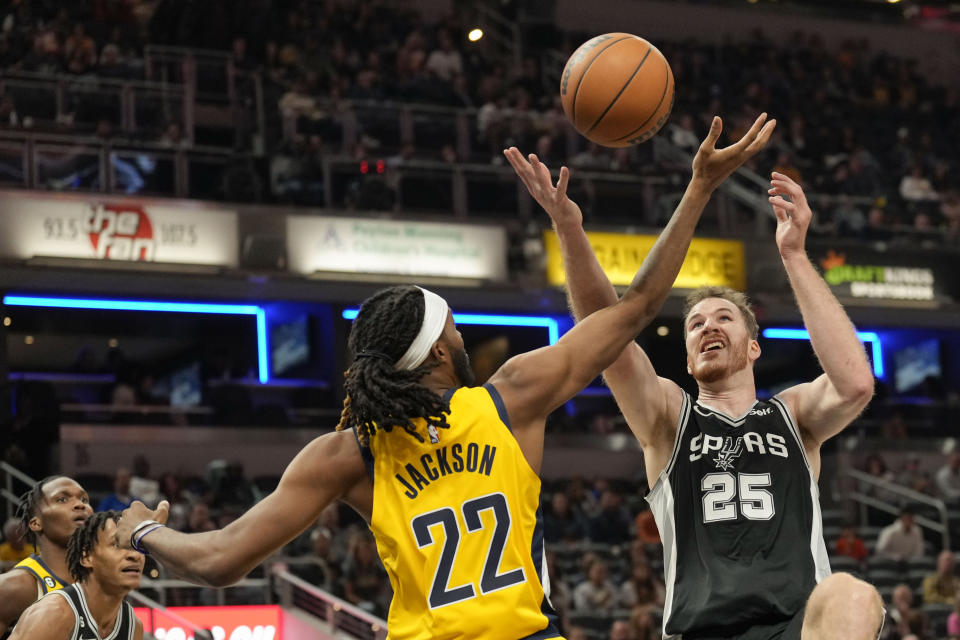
column 153, row 606
column 890, row 497
column 340, row 615
column 10, row 491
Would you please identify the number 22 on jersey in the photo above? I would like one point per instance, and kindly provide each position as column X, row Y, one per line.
column 457, row 532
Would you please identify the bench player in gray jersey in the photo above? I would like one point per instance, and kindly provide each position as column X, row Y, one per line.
column 735, row 480
column 92, row 608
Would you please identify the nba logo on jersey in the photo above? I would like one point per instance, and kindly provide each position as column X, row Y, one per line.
column 730, row 452
column 50, row 582
column 432, row 432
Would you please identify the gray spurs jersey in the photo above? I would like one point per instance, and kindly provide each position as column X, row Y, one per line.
column 739, row 514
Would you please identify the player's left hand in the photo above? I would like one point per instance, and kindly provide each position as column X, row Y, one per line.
column 136, row 513
column 793, row 216
column 711, row 166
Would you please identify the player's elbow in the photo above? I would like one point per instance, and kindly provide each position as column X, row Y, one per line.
column 859, row 390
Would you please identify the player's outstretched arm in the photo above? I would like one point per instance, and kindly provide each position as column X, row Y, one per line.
column 50, row 618
column 328, row 468
column 829, row 403
column 644, row 398
column 18, row 590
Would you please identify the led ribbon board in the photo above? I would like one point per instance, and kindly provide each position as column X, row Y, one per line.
column 550, row 324
column 152, row 305
column 863, row 336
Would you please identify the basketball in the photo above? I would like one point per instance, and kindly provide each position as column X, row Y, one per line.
column 617, row 89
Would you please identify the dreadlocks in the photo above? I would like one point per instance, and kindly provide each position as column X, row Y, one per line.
column 83, row 541
column 29, row 504
column 378, row 395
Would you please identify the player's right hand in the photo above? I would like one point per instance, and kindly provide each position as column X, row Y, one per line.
column 136, row 513
column 536, row 178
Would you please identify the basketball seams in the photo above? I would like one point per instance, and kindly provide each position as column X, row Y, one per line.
column 620, row 93
column 576, row 91
column 666, row 85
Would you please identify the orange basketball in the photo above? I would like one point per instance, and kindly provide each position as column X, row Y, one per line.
column 617, row 89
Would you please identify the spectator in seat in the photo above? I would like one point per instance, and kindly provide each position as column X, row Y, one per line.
column 643, row 625
column 948, row 478
column 324, row 568
column 561, row 523
column 199, row 519
column 577, row 633
column 445, row 61
column 902, row 539
column 901, row 614
column 597, row 593
column 850, row 544
column 916, row 187
column 14, row 547
column 142, row 486
column 120, row 499
column 940, row 587
column 647, row 530
column 953, row 621
column 642, row 588
column 620, row 630
column 611, row 525
column 365, row 582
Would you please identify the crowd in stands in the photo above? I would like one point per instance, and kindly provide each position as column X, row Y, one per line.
column 864, row 128
column 604, row 554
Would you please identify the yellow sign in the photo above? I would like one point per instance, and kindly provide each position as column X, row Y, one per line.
column 709, row 261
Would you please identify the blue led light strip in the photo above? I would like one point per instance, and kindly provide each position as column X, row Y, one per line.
column 864, row 336
column 550, row 324
column 152, row 305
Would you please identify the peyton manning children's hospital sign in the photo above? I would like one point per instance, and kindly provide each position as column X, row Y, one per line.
column 353, row 245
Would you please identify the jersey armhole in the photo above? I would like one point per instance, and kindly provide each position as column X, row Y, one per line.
column 498, row 403
column 73, row 607
column 681, row 427
column 365, row 453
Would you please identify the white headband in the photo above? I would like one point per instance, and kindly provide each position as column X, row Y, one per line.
column 434, row 318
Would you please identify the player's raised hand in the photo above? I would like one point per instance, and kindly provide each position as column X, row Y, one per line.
column 793, row 216
column 711, row 166
column 553, row 198
column 137, row 513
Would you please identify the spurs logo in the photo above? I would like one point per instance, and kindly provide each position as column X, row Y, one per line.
column 730, row 452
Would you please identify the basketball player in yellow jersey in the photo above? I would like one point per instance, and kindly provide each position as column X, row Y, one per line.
column 50, row 512
column 446, row 474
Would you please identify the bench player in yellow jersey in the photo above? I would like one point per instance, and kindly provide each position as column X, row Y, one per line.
column 50, row 512
column 446, row 474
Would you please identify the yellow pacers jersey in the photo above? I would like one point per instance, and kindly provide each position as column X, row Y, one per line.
column 47, row 581
column 458, row 527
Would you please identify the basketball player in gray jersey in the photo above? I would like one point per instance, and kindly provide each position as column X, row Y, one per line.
column 92, row 608
column 734, row 479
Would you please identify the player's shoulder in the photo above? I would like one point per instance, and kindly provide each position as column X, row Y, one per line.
column 18, row 590
column 44, row 617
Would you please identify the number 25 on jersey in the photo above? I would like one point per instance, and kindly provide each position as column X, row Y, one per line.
column 727, row 497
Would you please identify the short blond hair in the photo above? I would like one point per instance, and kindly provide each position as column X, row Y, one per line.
column 738, row 298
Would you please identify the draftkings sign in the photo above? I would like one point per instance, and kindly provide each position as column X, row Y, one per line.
column 902, row 276
column 708, row 262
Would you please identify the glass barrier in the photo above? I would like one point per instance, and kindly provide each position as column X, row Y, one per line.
column 68, row 168
column 13, row 165
column 141, row 172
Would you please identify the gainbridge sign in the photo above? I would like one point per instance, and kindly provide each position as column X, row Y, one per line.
column 708, row 262
column 224, row 623
column 119, row 230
